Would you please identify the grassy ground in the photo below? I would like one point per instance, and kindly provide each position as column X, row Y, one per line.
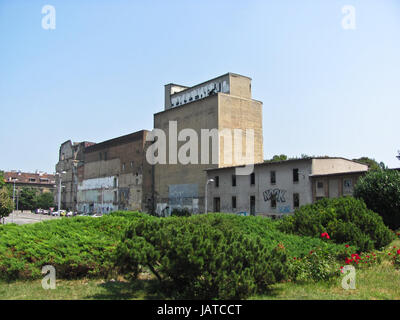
column 376, row 283
column 381, row 282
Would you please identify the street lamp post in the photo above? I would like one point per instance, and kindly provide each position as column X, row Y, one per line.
column 14, row 192
column 205, row 196
column 59, row 189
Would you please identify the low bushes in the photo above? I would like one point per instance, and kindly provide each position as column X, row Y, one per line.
column 76, row 247
column 221, row 256
column 346, row 220
column 194, row 260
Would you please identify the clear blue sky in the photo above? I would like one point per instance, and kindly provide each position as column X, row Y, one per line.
column 101, row 73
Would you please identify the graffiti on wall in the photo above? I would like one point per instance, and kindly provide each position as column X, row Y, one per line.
column 284, row 209
column 279, row 195
column 200, row 92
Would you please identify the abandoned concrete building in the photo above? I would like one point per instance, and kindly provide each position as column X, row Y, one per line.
column 222, row 103
column 107, row 176
column 70, row 160
column 277, row 188
column 116, row 174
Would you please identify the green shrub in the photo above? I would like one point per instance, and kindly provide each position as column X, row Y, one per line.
column 194, row 260
column 76, row 247
column 346, row 220
column 180, row 212
column 380, row 190
column 318, row 265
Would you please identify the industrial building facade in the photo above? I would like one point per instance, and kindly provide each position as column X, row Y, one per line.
column 116, row 174
column 107, row 176
column 222, row 103
column 277, row 188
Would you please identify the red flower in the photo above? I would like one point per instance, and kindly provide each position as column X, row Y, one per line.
column 347, row 246
column 325, row 235
column 398, row 251
column 294, row 258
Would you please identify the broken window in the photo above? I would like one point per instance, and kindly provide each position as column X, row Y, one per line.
column 295, row 175
column 273, row 177
column 296, row 200
column 273, row 201
column 252, row 179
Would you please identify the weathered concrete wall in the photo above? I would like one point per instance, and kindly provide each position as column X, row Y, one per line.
column 202, row 114
column 239, row 113
column 263, row 189
column 229, row 108
column 118, row 164
column 335, row 185
column 240, row 86
column 336, row 165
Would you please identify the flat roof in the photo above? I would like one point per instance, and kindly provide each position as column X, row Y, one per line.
column 337, row 173
column 117, row 141
column 201, row 83
column 269, row 162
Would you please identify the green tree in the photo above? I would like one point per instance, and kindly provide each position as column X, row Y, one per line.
column 380, row 190
column 6, row 203
column 2, row 182
column 281, row 157
column 371, row 163
column 27, row 199
column 44, row 200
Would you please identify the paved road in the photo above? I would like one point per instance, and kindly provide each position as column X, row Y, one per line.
column 24, row 218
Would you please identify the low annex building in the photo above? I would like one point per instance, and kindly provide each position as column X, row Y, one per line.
column 277, row 188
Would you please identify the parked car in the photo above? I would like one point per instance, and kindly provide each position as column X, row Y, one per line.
column 39, row 211
column 70, row 214
column 97, row 215
column 55, row 214
column 45, row 211
column 63, row 213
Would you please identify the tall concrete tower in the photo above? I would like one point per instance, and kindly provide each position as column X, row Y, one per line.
column 219, row 105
